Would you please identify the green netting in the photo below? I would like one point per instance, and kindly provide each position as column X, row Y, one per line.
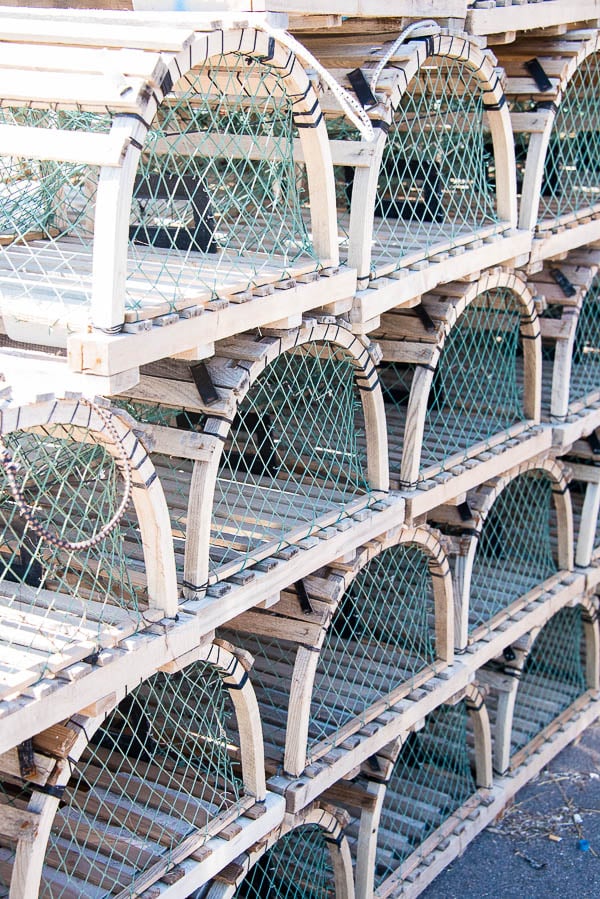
column 46, row 227
column 340, row 128
column 571, row 174
column 157, row 771
column 60, row 604
column 219, row 203
column 381, row 636
column 477, row 389
column 431, row 779
column 553, row 676
column 585, row 364
column 298, row 866
column 515, row 549
column 436, row 181
column 292, row 458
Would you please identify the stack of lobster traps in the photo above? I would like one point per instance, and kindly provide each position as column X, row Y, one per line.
column 299, row 438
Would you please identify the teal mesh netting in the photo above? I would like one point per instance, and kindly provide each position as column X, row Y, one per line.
column 571, row 176
column 293, row 456
column 437, row 175
column 381, row 636
column 431, row 779
column 57, row 599
column 219, row 202
column 157, row 771
column 585, row 365
column 46, row 229
column 553, row 676
column 515, row 549
column 477, row 388
column 298, row 866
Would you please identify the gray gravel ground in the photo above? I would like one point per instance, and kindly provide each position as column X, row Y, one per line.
column 519, row 857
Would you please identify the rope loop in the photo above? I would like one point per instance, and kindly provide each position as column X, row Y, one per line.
column 10, row 467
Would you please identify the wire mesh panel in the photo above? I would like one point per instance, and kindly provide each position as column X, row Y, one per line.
column 432, row 778
column 297, row 866
column 553, row 676
column 46, row 230
column 219, row 202
column 585, row 364
column 73, row 590
column 157, row 773
column 477, row 392
column 292, row 457
column 436, row 183
column 570, row 183
column 516, row 548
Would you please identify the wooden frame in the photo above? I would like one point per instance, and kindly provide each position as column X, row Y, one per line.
column 234, row 369
column 225, row 885
column 366, row 844
column 66, row 744
column 403, row 338
column 505, row 686
column 287, row 621
column 480, row 503
column 87, row 422
column 482, row 65
column 551, row 236
column 580, row 268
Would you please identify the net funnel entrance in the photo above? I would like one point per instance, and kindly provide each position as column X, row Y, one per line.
column 553, row 677
column 431, row 780
column 517, row 547
column 474, row 388
column 156, row 780
column 46, row 229
column 219, row 204
column 74, row 574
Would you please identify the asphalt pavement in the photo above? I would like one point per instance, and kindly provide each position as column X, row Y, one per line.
column 547, row 842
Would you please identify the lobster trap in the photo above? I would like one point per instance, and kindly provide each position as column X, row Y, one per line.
column 290, row 449
column 435, row 182
column 475, row 384
column 559, row 668
column 524, row 539
column 75, row 575
column 137, row 188
column 366, row 647
column 432, row 779
column 310, row 861
column 145, row 785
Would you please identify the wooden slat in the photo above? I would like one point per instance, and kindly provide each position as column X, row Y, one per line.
column 63, row 146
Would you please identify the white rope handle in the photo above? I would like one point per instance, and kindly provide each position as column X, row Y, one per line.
column 391, row 51
column 347, row 101
column 11, row 468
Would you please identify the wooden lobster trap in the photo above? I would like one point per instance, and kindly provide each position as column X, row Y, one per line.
column 146, row 172
column 347, row 644
column 461, row 375
column 123, row 794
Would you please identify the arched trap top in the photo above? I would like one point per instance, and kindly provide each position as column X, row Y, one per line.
column 297, row 443
column 379, row 627
column 431, row 780
column 309, row 861
column 444, row 175
column 556, row 159
column 524, row 537
column 81, row 565
column 460, row 374
column 561, row 665
column 145, row 785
